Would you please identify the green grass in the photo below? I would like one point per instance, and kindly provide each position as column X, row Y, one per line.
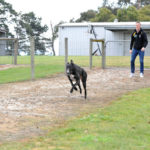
column 123, row 125
column 45, row 66
column 6, row 60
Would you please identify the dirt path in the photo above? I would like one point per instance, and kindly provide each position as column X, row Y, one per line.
column 28, row 108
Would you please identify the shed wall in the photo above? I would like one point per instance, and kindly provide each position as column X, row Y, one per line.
column 78, row 40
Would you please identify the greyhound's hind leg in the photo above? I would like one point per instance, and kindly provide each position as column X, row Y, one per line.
column 85, row 93
column 79, row 87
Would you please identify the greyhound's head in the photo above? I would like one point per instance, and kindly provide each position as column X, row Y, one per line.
column 69, row 68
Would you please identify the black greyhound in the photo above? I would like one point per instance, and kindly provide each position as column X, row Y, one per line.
column 75, row 73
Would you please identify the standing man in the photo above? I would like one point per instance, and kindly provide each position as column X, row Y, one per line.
column 138, row 43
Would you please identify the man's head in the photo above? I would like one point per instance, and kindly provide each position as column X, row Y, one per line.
column 138, row 26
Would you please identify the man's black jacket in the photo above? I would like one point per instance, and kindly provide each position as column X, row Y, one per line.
column 139, row 40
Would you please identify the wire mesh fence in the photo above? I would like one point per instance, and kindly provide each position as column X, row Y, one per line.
column 6, row 52
column 117, row 54
column 41, row 66
column 30, row 66
column 114, row 53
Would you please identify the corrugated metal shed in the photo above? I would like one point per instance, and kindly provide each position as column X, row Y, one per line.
column 78, row 35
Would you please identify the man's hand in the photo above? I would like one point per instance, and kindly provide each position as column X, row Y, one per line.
column 130, row 51
column 143, row 49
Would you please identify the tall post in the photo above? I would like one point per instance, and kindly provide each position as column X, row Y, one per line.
column 66, row 52
column 15, row 51
column 90, row 53
column 103, row 55
column 32, row 49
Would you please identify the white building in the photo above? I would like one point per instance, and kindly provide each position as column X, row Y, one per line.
column 117, row 37
column 2, row 43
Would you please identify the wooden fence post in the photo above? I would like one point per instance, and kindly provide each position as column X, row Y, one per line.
column 90, row 53
column 32, row 49
column 15, row 51
column 103, row 55
column 66, row 52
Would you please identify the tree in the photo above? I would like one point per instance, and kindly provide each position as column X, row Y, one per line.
column 129, row 14
column 145, row 2
column 132, row 13
column 7, row 16
column 104, row 15
column 144, row 13
column 30, row 25
column 140, row 3
column 53, row 39
column 87, row 16
column 105, row 3
column 124, row 2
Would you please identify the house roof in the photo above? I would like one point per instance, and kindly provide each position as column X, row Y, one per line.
column 2, row 31
column 113, row 26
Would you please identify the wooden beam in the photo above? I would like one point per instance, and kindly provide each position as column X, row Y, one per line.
column 93, row 40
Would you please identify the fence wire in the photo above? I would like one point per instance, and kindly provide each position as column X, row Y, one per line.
column 6, row 52
column 117, row 54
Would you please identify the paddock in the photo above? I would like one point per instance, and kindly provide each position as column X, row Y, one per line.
column 30, row 108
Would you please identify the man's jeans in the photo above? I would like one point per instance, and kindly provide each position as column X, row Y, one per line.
column 133, row 57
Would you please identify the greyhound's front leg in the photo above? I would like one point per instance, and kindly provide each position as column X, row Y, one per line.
column 78, row 82
column 73, row 85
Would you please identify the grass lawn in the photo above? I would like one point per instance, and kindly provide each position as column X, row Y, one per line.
column 45, row 66
column 123, row 125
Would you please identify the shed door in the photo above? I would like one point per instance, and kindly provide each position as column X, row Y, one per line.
column 127, row 36
column 147, row 50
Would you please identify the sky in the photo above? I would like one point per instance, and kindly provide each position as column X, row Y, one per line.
column 55, row 10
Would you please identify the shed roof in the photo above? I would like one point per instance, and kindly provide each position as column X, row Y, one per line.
column 109, row 25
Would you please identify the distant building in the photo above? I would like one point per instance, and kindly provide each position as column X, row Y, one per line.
column 2, row 43
column 79, row 35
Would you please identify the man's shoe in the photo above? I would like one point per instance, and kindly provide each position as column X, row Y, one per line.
column 131, row 75
column 141, row 75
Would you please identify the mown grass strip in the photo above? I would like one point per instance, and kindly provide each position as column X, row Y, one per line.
column 123, row 125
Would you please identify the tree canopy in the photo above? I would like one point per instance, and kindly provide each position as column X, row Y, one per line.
column 123, row 10
column 104, row 15
column 129, row 14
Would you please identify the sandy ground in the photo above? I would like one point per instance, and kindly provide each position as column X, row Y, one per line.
column 27, row 109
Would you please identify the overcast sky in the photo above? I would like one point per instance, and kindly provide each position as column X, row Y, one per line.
column 55, row 10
